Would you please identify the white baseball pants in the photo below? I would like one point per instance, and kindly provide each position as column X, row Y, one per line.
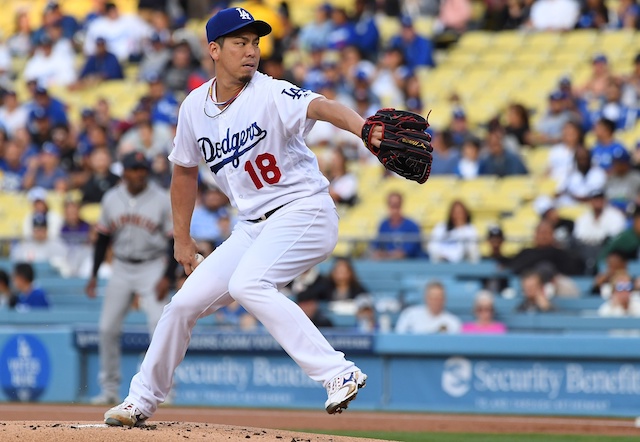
column 250, row 267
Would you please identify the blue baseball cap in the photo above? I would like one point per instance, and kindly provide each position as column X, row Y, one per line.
column 557, row 95
column 600, row 58
column 406, row 21
column 230, row 20
column 51, row 148
column 621, row 154
column 459, row 114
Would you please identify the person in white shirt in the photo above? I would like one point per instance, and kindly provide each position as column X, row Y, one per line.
column 49, row 68
column 601, row 222
column 561, row 155
column 554, row 15
column 431, row 317
column 456, row 239
column 583, row 179
column 622, row 302
column 124, row 33
column 13, row 116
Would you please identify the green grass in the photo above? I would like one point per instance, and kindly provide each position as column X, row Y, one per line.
column 475, row 437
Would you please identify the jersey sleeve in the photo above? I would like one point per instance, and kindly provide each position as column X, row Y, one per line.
column 185, row 150
column 291, row 103
column 103, row 224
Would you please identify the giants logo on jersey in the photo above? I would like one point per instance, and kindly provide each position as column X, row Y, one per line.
column 237, row 144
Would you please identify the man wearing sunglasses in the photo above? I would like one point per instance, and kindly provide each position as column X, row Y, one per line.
column 623, row 302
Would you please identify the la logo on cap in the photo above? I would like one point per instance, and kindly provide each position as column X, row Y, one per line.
column 244, row 14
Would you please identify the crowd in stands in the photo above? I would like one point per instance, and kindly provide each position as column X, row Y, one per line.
column 48, row 147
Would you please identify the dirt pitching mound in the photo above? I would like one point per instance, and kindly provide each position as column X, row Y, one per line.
column 157, row 431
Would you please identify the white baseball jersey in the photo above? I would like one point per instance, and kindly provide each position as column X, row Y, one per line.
column 255, row 147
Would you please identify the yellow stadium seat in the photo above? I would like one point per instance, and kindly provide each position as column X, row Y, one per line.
column 542, row 41
column 507, row 40
column 579, row 39
column 90, row 212
column 476, row 40
column 387, row 26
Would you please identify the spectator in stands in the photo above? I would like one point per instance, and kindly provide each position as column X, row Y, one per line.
column 545, row 249
column 101, row 178
column 55, row 110
column 459, row 128
column 445, row 156
column 453, row 19
column 518, row 126
column 7, row 299
column 21, row 41
column 585, row 178
column 631, row 86
column 367, row 37
column 623, row 302
column 554, row 15
column 315, row 34
column 623, row 183
column 38, row 198
column 418, row 50
column 155, row 57
column 390, row 77
column 12, row 169
column 413, row 94
column 612, row 107
column 234, row 316
column 44, row 66
column 484, row 317
column 456, row 239
column 53, row 14
column 75, row 233
column 615, row 264
column 343, row 185
column 123, row 33
column 628, row 15
column 398, row 236
column 561, row 157
column 182, row 64
column 562, row 227
column 342, row 32
column 595, row 226
column 495, row 238
column 41, row 247
column 40, row 131
column 593, row 15
column 101, row 66
column 366, row 320
column 43, row 170
column 431, row 317
column 498, row 160
column 28, row 295
column 310, row 304
column 549, row 128
column 13, row 115
column 341, row 284
column 164, row 105
column 535, row 299
column 469, row 164
column 211, row 218
column 62, row 46
column 601, row 77
column 628, row 242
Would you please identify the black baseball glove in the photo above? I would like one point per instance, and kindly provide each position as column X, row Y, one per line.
column 406, row 147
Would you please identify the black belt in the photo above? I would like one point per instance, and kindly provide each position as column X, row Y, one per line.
column 266, row 215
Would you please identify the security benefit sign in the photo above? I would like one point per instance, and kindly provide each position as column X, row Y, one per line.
column 24, row 368
column 517, row 386
column 239, row 380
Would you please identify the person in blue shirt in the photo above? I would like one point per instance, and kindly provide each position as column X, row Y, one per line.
column 418, row 50
column 44, row 170
column 12, row 168
column 398, row 236
column 601, row 153
column 366, row 31
column 498, row 160
column 28, row 295
column 101, row 66
column 164, row 105
column 211, row 220
column 342, row 32
column 445, row 155
column 55, row 109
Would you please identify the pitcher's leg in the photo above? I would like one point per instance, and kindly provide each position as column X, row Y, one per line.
column 290, row 243
column 204, row 291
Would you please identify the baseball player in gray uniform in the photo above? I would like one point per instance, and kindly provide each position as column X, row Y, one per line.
column 136, row 221
column 249, row 129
